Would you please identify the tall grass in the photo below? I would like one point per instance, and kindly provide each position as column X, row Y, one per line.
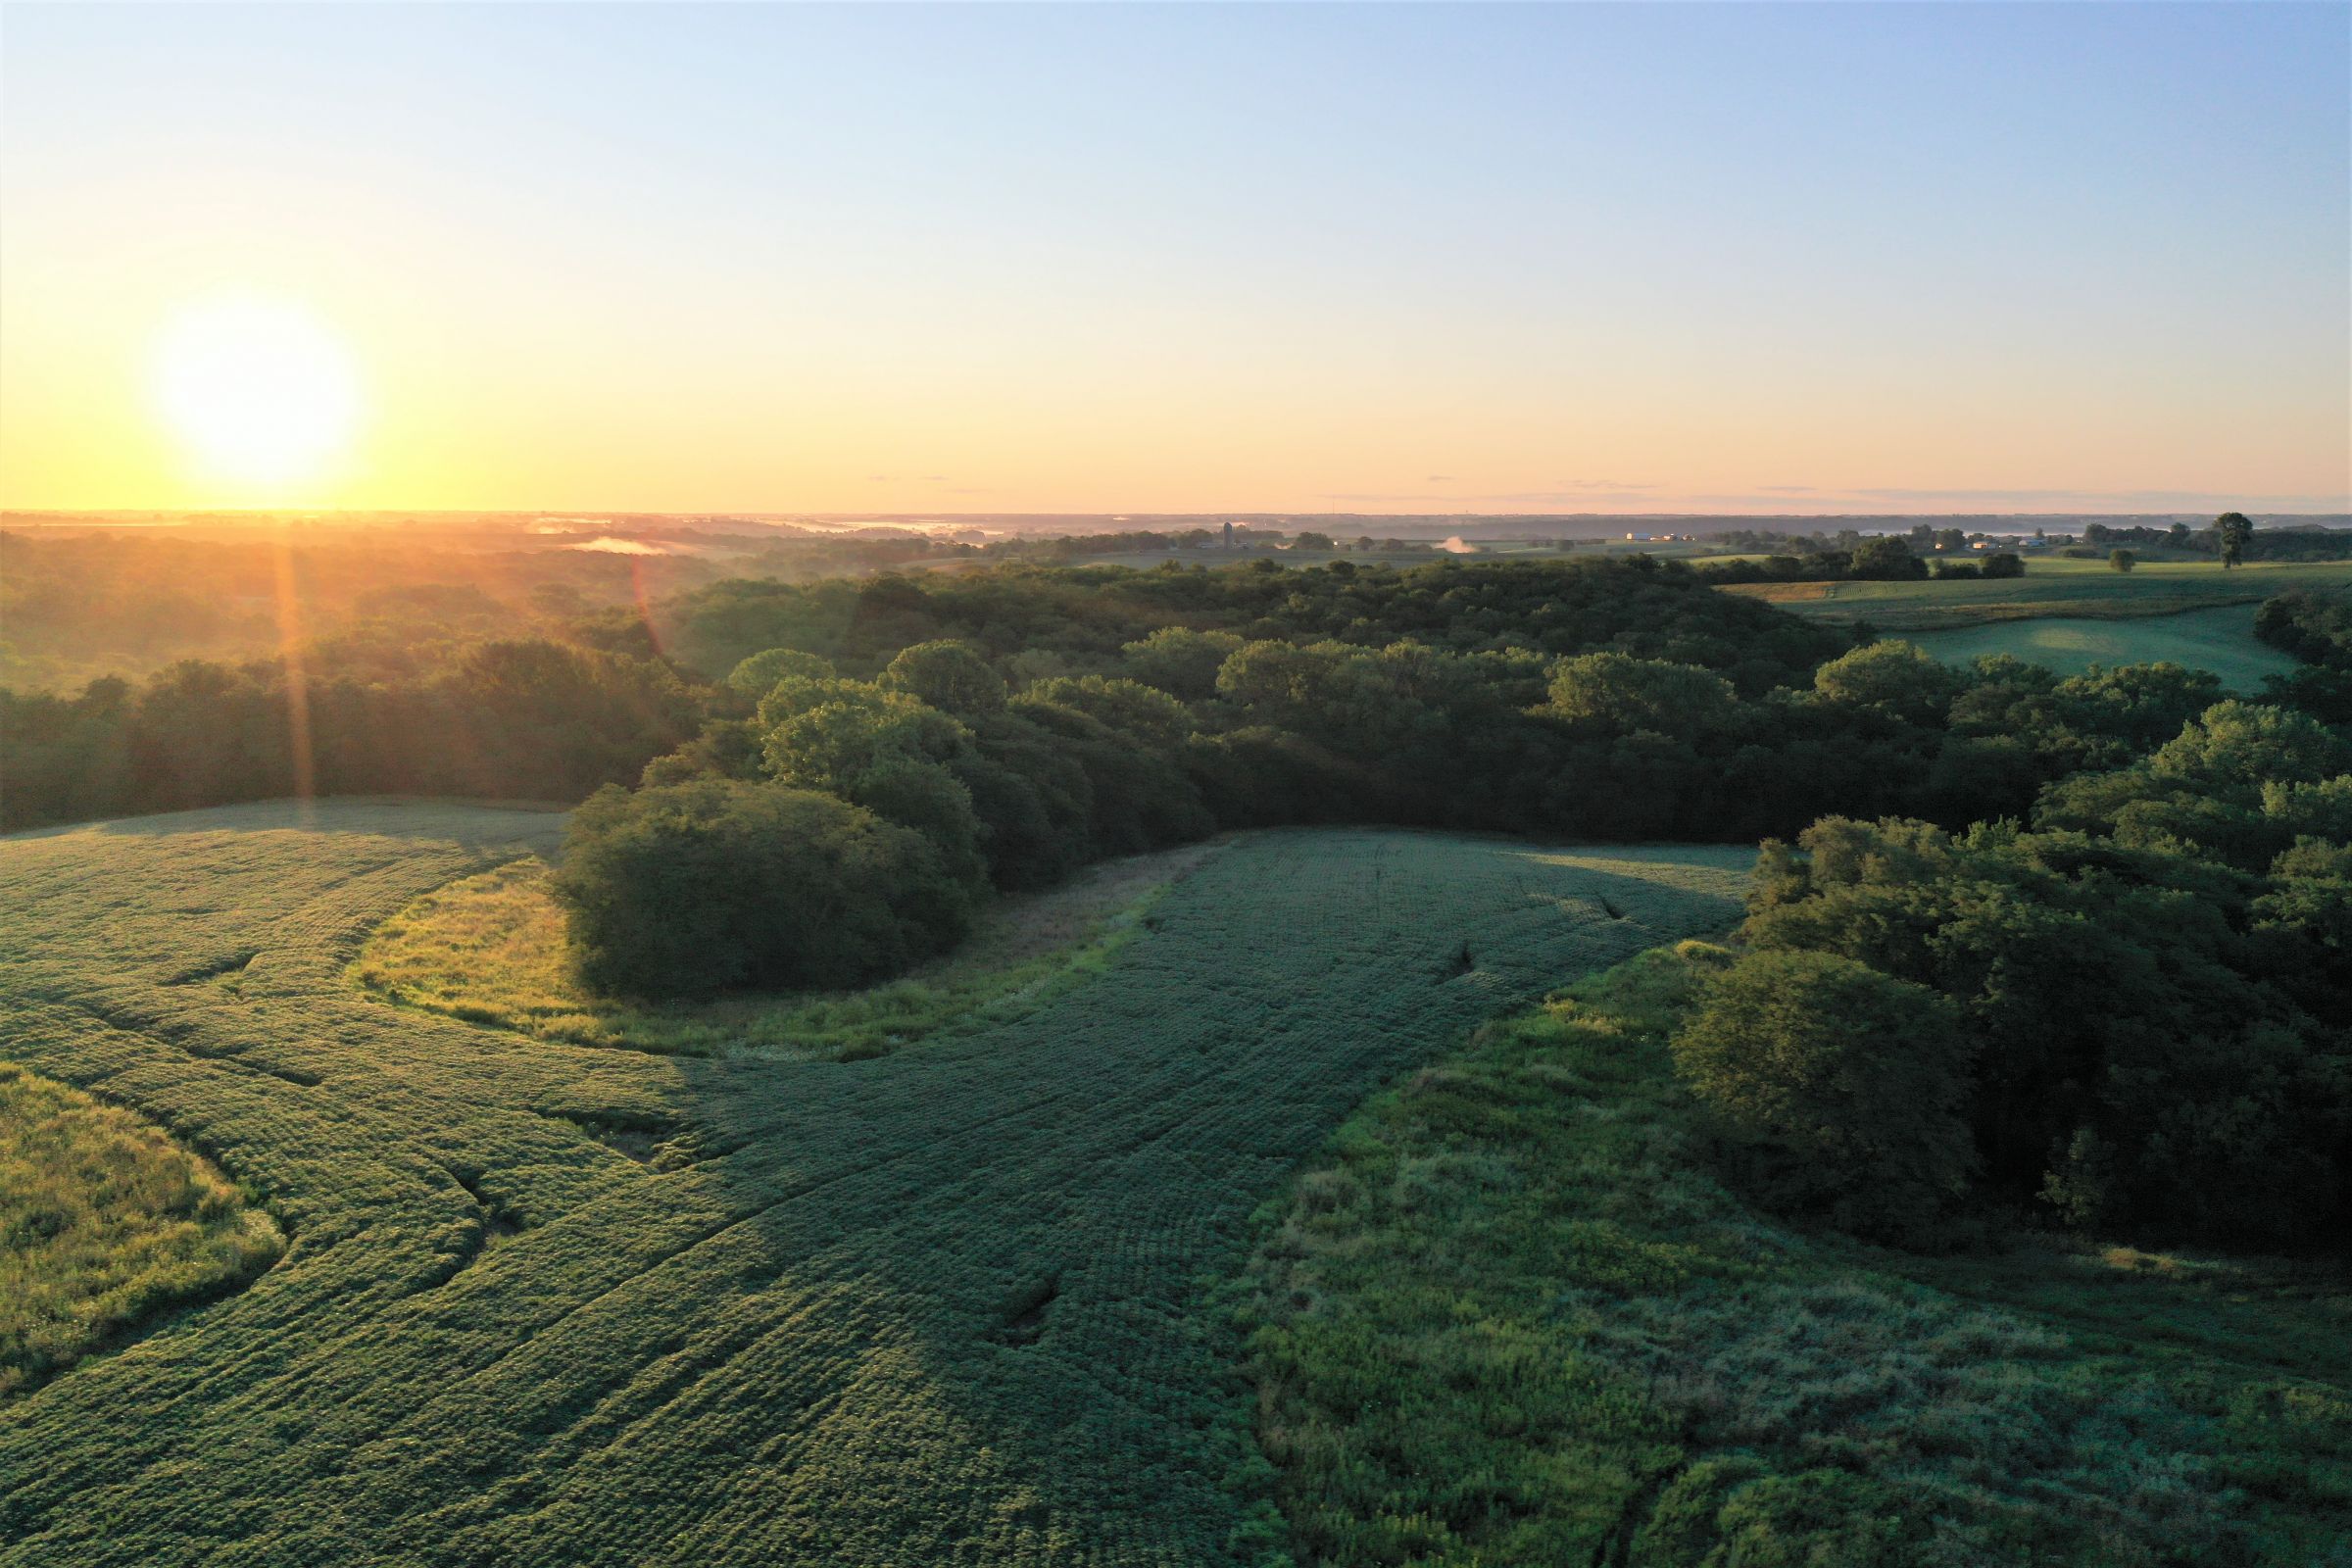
column 1511, row 1317
column 104, row 1222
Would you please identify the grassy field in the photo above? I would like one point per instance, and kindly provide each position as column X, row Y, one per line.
column 553, row 1305
column 104, row 1224
column 1509, row 1317
column 2051, row 586
column 490, row 950
column 2220, row 640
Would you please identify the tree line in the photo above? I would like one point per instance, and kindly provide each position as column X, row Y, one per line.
column 2133, row 1008
column 2114, row 905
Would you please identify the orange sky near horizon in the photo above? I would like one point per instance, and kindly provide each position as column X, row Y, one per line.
column 267, row 259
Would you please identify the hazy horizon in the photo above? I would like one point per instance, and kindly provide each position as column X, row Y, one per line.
column 1139, row 521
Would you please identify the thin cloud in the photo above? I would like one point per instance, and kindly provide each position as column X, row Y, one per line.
column 2071, row 500
column 1533, row 498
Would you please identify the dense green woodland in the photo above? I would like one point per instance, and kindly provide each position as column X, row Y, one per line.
column 1439, row 730
column 2317, row 630
column 2128, row 895
column 426, row 696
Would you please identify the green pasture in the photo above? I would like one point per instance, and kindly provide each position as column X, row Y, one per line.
column 2220, row 640
column 1511, row 1315
column 2052, row 586
column 544, row 1304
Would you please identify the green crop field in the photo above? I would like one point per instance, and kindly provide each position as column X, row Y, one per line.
column 2051, row 586
column 548, row 1304
column 2220, row 640
column 103, row 1224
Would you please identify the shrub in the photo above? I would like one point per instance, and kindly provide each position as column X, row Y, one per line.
column 1845, row 1087
column 690, row 887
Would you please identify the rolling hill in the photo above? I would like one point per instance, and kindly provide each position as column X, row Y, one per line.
column 550, row 1303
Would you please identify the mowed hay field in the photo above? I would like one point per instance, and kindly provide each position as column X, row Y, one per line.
column 2220, row 640
column 550, row 1303
column 2051, row 586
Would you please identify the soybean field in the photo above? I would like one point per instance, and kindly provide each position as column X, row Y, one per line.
column 548, row 1304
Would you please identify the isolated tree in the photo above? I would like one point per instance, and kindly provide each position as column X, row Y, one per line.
column 2122, row 560
column 2234, row 530
column 1845, row 1086
column 1886, row 559
column 2004, row 563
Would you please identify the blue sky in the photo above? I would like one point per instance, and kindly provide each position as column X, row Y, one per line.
column 1146, row 258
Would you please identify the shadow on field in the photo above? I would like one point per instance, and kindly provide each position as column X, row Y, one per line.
column 1029, row 1217
column 550, row 1305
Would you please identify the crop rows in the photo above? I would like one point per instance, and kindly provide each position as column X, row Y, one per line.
column 935, row 1307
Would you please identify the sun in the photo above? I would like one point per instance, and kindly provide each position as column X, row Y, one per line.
column 262, row 393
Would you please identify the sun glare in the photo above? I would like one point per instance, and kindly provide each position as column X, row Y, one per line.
column 262, row 393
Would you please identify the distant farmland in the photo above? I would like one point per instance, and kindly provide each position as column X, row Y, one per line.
column 2071, row 615
column 545, row 1303
column 2220, row 640
column 2050, row 587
